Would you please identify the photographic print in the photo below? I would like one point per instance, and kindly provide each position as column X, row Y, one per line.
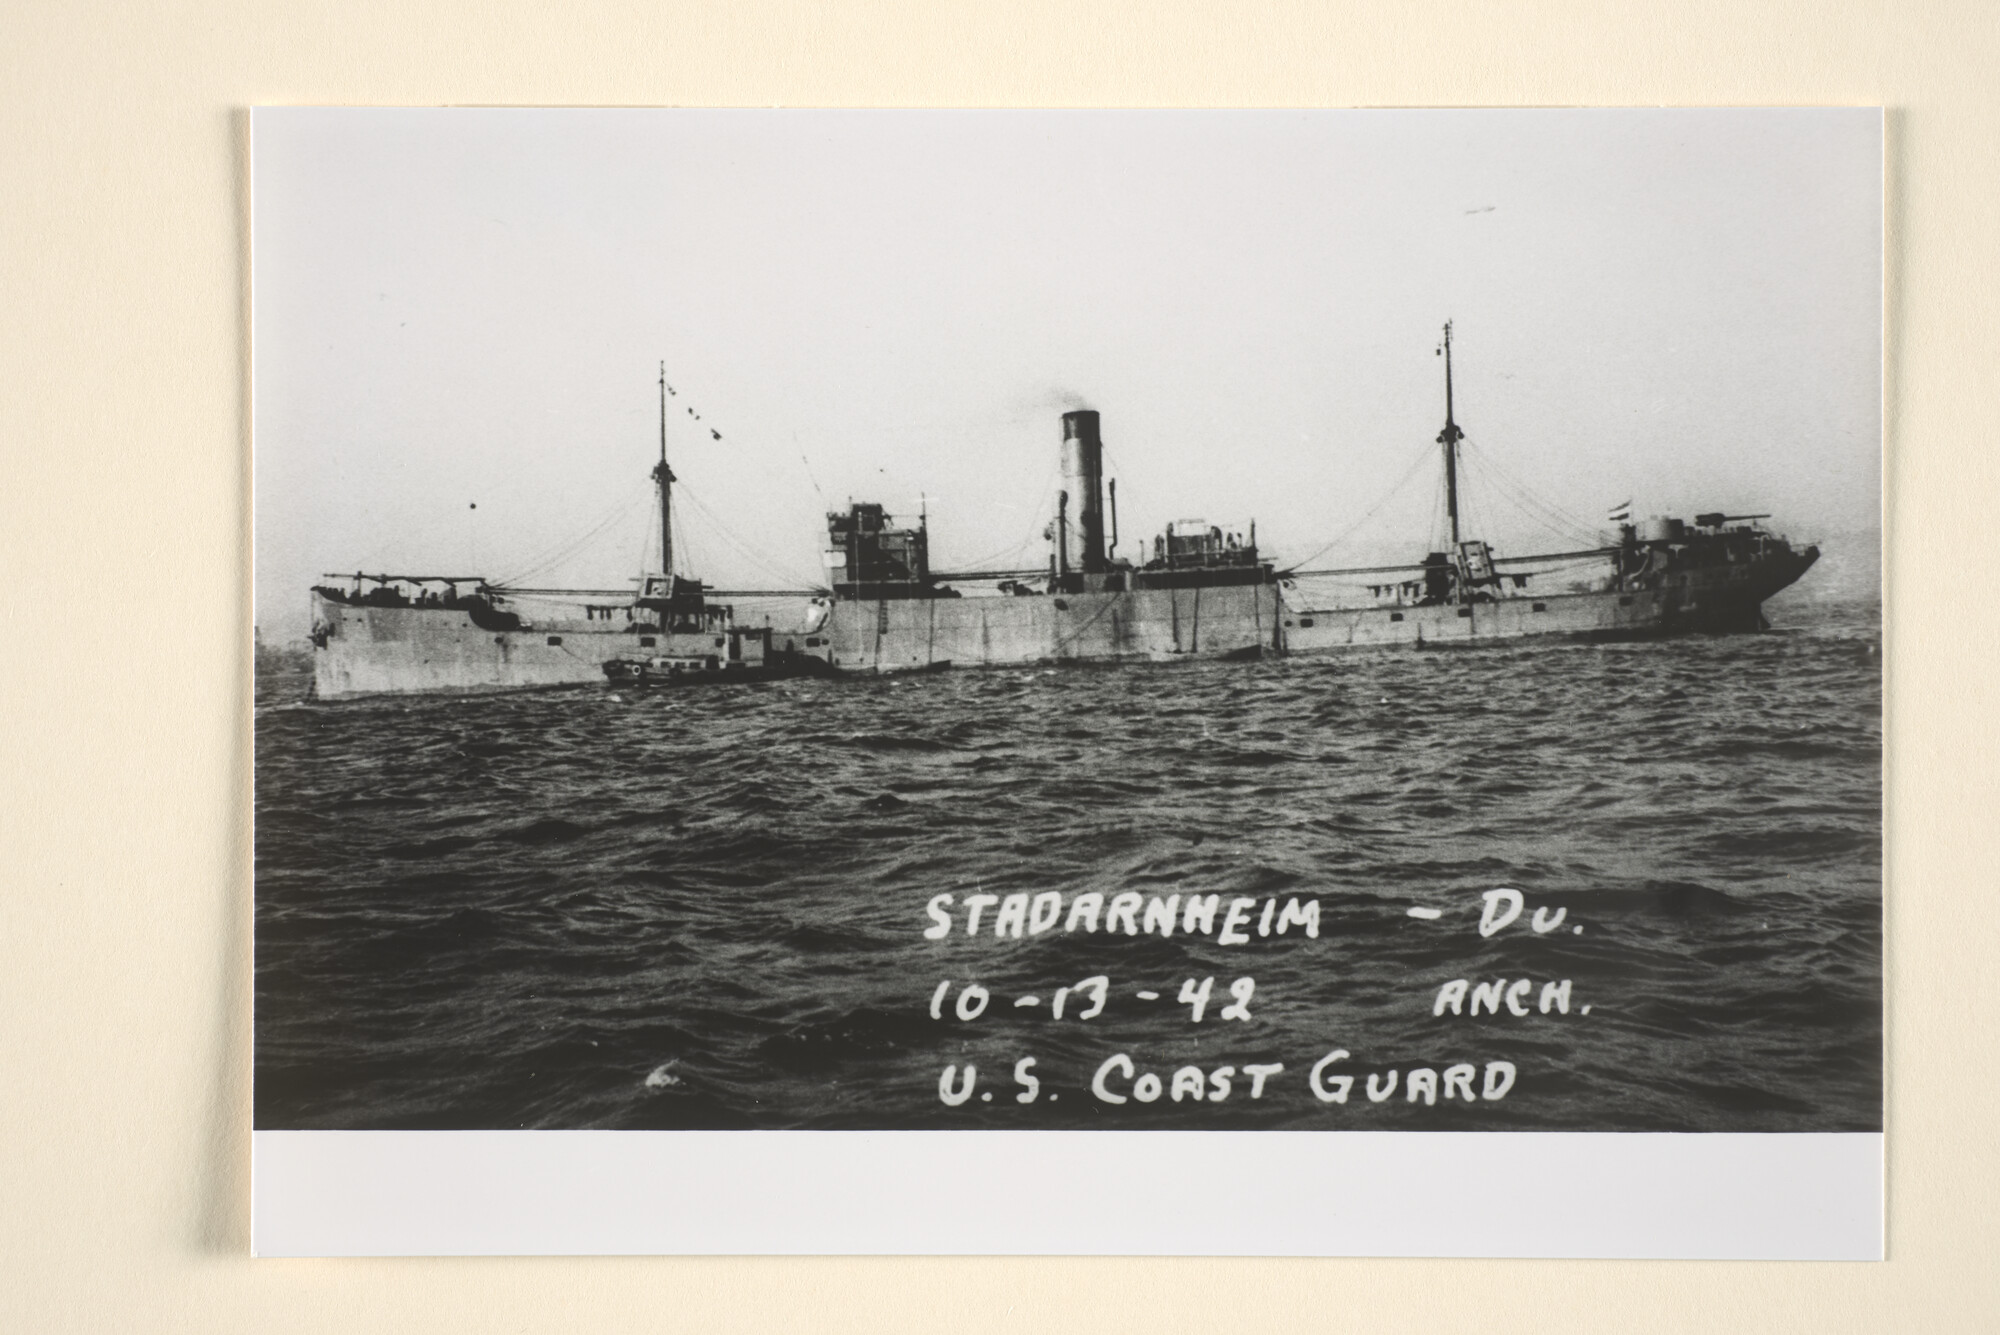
column 1068, row 621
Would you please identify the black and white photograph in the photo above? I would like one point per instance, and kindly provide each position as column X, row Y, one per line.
column 1329, row 621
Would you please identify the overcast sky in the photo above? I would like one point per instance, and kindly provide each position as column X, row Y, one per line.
column 1676, row 308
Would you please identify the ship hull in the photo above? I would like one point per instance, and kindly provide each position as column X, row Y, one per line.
column 1579, row 615
column 643, row 674
column 363, row 650
column 1718, row 600
column 1129, row 626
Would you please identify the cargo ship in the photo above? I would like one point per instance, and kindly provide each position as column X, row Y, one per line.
column 393, row 634
column 1198, row 591
column 1662, row 576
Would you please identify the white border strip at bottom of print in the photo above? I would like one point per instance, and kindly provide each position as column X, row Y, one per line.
column 1168, row 1193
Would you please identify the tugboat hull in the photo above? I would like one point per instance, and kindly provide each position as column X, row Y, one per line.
column 651, row 672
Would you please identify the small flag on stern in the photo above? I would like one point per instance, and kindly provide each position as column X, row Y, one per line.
column 1621, row 512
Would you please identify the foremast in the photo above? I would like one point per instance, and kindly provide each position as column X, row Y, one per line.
column 681, row 603
column 664, row 477
column 1449, row 438
column 1463, row 576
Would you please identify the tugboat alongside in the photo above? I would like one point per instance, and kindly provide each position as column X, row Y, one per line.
column 747, row 655
column 1663, row 576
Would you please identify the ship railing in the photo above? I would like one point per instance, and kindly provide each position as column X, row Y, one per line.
column 393, row 590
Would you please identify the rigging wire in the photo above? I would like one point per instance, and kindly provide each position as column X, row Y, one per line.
column 1440, row 533
column 1569, row 532
column 1537, row 512
column 1044, row 505
column 807, row 465
column 689, row 547
column 1477, row 521
column 1036, row 524
column 568, row 545
column 553, row 556
column 1539, row 518
column 645, row 551
column 743, row 549
column 995, row 559
column 687, row 559
column 1552, row 517
column 1387, row 496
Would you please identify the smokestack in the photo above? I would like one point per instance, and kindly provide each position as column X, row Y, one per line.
column 1083, row 479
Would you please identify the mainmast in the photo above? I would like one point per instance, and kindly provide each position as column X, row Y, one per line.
column 664, row 476
column 1449, row 438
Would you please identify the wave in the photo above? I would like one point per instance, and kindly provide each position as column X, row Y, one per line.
column 550, row 910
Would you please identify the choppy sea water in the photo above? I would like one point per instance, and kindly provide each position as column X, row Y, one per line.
column 588, row 908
